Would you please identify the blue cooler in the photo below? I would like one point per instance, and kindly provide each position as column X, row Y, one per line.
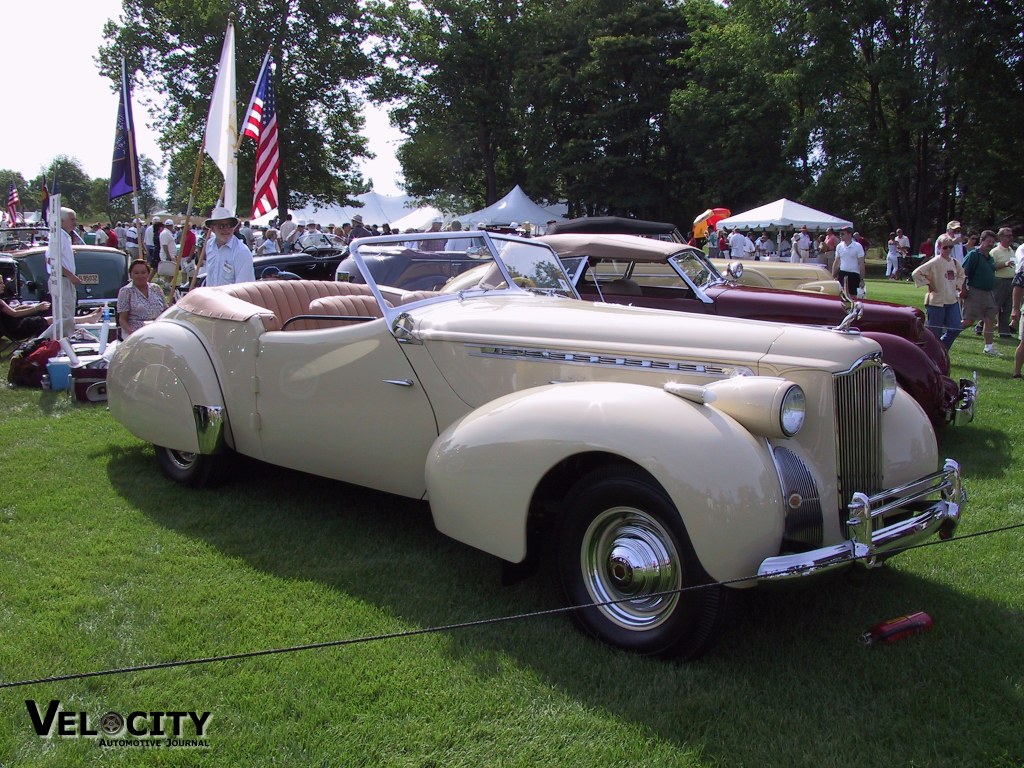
column 59, row 369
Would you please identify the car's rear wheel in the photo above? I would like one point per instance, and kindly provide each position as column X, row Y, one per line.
column 193, row 469
column 622, row 542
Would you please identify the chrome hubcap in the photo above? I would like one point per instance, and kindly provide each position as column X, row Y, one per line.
column 628, row 555
column 182, row 459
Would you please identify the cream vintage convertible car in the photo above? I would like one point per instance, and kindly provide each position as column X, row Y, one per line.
column 649, row 452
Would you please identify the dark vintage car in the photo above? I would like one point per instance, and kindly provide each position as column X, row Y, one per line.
column 315, row 264
column 103, row 272
column 419, row 270
column 626, row 269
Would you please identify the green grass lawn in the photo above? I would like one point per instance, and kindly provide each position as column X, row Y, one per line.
column 103, row 563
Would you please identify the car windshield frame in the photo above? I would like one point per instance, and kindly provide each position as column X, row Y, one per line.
column 577, row 266
column 521, row 266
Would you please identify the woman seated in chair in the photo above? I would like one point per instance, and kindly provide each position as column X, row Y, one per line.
column 140, row 301
column 25, row 321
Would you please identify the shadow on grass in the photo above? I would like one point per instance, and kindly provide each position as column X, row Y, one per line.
column 790, row 663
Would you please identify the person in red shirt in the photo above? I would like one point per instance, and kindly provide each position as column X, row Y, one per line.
column 112, row 240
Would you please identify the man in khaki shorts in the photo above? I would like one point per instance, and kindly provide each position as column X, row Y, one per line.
column 978, row 293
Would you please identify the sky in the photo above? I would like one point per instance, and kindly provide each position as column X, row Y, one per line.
column 84, row 125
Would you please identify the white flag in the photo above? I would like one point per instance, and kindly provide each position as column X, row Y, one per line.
column 222, row 122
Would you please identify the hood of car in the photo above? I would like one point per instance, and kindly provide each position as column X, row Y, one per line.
column 733, row 300
column 532, row 327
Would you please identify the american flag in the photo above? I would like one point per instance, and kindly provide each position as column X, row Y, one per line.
column 261, row 126
column 12, row 204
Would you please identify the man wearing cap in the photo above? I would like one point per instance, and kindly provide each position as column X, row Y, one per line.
column 228, row 259
column 358, row 230
column 953, row 233
column 168, row 248
column 314, row 238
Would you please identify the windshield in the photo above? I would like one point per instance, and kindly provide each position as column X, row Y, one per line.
column 462, row 263
column 697, row 268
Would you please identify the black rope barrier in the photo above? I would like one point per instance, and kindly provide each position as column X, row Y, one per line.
column 446, row 627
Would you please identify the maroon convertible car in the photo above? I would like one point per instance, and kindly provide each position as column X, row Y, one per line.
column 626, row 269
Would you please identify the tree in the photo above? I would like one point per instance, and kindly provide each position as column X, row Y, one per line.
column 73, row 182
column 122, row 209
column 175, row 46
column 29, row 201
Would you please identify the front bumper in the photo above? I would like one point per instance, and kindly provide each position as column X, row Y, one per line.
column 963, row 410
column 879, row 526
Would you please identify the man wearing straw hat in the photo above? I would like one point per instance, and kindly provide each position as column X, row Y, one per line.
column 228, row 259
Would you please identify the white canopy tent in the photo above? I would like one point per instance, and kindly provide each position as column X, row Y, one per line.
column 515, row 207
column 783, row 214
column 375, row 209
column 418, row 219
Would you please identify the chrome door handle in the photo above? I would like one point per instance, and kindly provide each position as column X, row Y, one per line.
column 399, row 382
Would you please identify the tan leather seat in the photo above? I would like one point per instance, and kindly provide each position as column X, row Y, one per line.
column 412, row 296
column 284, row 298
column 338, row 306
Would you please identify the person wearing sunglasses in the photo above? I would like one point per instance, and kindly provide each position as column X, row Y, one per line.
column 944, row 277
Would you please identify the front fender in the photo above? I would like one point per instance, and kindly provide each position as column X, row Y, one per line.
column 482, row 472
column 162, row 386
column 916, row 372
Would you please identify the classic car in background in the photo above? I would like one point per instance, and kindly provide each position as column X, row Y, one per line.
column 648, row 452
column 626, row 269
column 783, row 275
column 761, row 274
column 104, row 271
column 315, row 264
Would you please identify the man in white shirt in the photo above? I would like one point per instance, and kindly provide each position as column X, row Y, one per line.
column 737, row 244
column 849, row 267
column 67, row 277
column 168, row 248
column 953, row 231
column 314, row 238
column 765, row 247
column 803, row 244
column 228, row 259
column 902, row 243
column 101, row 235
column 748, row 246
column 150, row 243
column 289, row 231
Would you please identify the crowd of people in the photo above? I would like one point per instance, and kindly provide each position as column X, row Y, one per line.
column 973, row 280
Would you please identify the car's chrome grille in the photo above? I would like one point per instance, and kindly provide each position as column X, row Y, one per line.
column 858, row 431
column 587, row 358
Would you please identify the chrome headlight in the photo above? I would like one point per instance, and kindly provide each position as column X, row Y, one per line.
column 793, row 410
column 889, row 386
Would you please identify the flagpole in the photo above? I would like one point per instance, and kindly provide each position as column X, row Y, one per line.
column 132, row 159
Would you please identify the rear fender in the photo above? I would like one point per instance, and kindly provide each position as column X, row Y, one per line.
column 484, row 470
column 162, row 386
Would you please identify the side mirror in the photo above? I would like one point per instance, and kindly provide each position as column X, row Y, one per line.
column 735, row 270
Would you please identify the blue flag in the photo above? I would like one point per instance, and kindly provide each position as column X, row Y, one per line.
column 124, row 170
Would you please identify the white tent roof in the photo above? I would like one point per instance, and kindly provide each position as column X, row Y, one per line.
column 418, row 219
column 784, row 214
column 376, row 209
column 516, row 207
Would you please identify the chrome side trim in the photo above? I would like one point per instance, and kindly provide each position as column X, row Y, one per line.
column 562, row 357
column 872, row 536
column 209, row 427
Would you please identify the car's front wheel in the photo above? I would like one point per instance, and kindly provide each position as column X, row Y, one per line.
column 197, row 470
column 622, row 543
